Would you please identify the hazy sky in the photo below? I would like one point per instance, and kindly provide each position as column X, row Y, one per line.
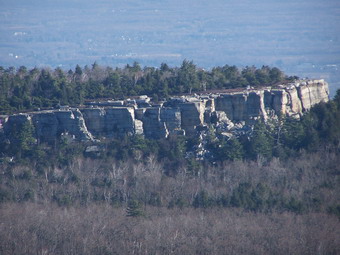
column 300, row 37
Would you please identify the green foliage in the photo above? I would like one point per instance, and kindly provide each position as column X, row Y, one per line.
column 62, row 199
column 261, row 199
column 22, row 142
column 334, row 210
column 231, row 149
column 241, row 196
column 261, row 142
column 134, row 209
column 294, row 205
column 293, row 134
column 4, row 195
column 202, row 200
column 24, row 89
column 178, row 202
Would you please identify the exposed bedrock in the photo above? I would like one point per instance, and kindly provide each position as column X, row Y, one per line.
column 242, row 106
column 312, row 92
column 192, row 115
column 111, row 122
column 172, row 119
column 46, row 126
column 159, row 122
column 119, row 121
column 72, row 122
column 179, row 115
column 95, row 120
column 153, row 126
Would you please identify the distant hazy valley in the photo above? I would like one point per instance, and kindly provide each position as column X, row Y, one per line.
column 301, row 38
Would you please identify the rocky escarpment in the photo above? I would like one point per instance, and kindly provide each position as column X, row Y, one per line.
column 49, row 125
column 111, row 121
column 227, row 111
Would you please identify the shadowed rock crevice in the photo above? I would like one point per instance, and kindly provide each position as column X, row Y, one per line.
column 179, row 115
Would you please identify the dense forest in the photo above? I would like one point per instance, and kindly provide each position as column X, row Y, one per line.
column 24, row 89
column 274, row 191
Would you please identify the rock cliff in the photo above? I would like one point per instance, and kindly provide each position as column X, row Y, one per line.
column 228, row 111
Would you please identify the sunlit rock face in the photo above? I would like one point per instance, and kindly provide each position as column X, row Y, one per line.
column 153, row 126
column 294, row 99
column 312, row 92
column 110, row 121
column 72, row 122
column 172, row 119
column 185, row 115
column 160, row 122
column 192, row 115
column 95, row 120
column 241, row 106
column 120, row 121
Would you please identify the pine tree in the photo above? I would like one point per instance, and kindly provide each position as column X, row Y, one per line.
column 134, row 209
column 261, row 143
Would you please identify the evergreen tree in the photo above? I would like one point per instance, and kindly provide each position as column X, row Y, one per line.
column 231, row 150
column 134, row 209
column 261, row 142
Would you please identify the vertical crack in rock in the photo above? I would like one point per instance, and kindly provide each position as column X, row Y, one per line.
column 180, row 115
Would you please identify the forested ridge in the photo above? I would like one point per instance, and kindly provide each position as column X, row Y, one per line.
column 24, row 89
column 275, row 191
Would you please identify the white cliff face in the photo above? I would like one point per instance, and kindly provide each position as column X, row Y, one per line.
column 242, row 106
column 192, row 115
column 72, row 122
column 119, row 121
column 291, row 100
column 153, row 126
column 95, row 120
column 49, row 125
column 110, row 121
column 172, row 119
column 184, row 115
column 312, row 92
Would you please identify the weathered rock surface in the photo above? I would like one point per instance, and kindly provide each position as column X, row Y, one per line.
column 154, row 127
column 95, row 120
column 172, row 119
column 110, row 121
column 242, row 106
column 72, row 122
column 119, row 121
column 49, row 125
column 192, row 115
column 46, row 126
column 312, row 92
column 228, row 112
